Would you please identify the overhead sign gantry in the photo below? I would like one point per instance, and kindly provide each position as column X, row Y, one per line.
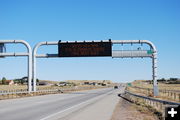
column 15, row 54
column 102, row 48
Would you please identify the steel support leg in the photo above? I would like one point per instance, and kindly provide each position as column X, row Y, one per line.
column 154, row 70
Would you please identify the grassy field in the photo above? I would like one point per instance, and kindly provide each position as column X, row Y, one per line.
column 23, row 87
column 19, row 87
column 82, row 81
column 164, row 94
column 79, row 83
column 162, row 86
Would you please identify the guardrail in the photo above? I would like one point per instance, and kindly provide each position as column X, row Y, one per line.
column 157, row 104
column 170, row 94
column 9, row 94
column 18, row 94
column 3, row 92
column 153, row 99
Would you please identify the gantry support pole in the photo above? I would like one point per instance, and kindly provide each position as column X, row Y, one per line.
column 154, row 59
column 28, row 54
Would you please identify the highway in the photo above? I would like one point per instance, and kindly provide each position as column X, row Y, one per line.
column 98, row 103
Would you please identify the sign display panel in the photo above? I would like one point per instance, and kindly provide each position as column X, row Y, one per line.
column 85, row 49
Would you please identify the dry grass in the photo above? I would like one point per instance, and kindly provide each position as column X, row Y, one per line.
column 128, row 111
column 160, row 85
column 76, row 82
column 19, row 87
column 23, row 87
column 12, row 87
column 172, row 96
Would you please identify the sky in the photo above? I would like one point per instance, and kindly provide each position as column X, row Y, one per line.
column 74, row 20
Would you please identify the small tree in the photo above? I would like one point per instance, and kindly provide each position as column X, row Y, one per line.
column 3, row 80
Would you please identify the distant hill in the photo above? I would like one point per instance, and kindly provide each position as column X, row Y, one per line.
column 78, row 81
column 49, row 81
column 82, row 81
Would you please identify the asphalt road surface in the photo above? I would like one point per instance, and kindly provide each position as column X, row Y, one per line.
column 92, row 104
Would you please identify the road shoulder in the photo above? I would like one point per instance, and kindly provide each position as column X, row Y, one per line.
column 126, row 110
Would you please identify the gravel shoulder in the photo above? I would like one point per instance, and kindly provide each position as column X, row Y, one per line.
column 126, row 110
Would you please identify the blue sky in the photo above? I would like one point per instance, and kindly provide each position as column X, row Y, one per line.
column 52, row 20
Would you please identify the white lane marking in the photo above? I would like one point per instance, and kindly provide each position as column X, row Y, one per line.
column 48, row 117
column 34, row 103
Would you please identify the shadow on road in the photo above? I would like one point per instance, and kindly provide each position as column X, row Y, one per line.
column 120, row 95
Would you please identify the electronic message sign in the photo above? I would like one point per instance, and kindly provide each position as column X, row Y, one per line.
column 85, row 49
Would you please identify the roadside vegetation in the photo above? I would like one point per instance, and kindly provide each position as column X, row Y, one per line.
column 169, row 89
column 21, row 84
column 164, row 84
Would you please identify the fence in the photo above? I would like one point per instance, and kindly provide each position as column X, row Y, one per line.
column 9, row 94
column 167, row 94
column 18, row 94
column 158, row 105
